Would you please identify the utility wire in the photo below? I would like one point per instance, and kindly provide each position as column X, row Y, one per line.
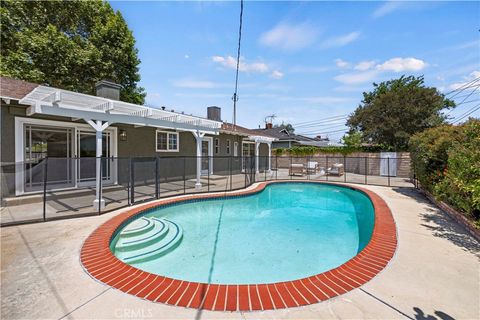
column 466, row 114
column 235, row 96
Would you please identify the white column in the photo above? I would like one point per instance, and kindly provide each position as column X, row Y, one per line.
column 269, row 157
column 199, row 137
column 257, row 152
column 99, row 126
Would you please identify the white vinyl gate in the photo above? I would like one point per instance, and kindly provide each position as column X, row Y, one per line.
column 388, row 161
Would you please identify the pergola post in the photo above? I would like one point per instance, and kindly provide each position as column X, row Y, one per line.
column 99, row 126
column 199, row 138
column 257, row 152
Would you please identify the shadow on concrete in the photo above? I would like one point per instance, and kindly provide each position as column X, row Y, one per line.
column 440, row 224
column 439, row 315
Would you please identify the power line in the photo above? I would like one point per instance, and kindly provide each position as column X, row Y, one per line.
column 466, row 114
column 462, row 88
column 235, row 96
column 318, row 121
column 323, row 129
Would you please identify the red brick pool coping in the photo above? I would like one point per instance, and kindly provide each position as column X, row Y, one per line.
column 102, row 265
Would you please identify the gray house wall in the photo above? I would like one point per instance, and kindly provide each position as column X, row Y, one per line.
column 140, row 143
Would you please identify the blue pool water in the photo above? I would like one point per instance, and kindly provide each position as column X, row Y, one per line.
column 288, row 231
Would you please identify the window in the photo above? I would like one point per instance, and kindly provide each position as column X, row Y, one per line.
column 217, row 146
column 167, row 141
column 228, row 146
column 235, row 149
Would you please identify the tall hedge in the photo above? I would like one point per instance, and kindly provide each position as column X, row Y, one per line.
column 446, row 161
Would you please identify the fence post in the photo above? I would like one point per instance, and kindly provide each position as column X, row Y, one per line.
column 366, row 169
column 208, row 174
column 388, row 169
column 45, row 172
column 184, row 175
column 157, row 191
column 290, row 169
column 132, row 181
column 230, row 167
column 265, row 169
column 100, row 189
column 326, row 173
column 276, row 167
column 344, row 168
column 308, row 169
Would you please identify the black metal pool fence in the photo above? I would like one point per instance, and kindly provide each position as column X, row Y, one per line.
column 52, row 188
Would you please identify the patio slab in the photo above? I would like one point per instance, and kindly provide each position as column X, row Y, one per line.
column 434, row 273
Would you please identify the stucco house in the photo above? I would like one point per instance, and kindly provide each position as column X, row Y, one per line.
column 39, row 122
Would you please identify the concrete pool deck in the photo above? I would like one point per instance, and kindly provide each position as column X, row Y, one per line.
column 434, row 274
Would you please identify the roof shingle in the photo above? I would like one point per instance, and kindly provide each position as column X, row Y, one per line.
column 14, row 88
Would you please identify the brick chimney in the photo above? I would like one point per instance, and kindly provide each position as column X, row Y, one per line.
column 268, row 125
column 214, row 113
column 108, row 89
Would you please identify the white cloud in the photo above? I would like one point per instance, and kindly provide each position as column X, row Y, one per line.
column 402, row 64
column 290, row 37
column 474, row 75
column 340, row 41
column 244, row 66
column 354, row 78
column 186, row 56
column 341, row 63
column 231, row 63
column 196, row 84
column 276, row 74
column 386, row 8
column 368, row 70
column 365, row 65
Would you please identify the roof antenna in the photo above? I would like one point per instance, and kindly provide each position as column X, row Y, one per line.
column 235, row 96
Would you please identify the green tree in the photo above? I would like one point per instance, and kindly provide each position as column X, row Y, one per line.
column 397, row 109
column 70, row 45
column 286, row 126
column 353, row 139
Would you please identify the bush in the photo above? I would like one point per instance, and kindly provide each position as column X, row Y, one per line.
column 446, row 160
column 461, row 183
column 429, row 153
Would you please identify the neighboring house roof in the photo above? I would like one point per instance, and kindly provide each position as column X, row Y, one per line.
column 283, row 135
column 15, row 89
column 242, row 131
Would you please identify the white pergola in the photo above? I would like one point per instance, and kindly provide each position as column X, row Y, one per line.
column 100, row 113
column 268, row 141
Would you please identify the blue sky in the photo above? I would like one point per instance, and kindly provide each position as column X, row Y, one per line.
column 302, row 61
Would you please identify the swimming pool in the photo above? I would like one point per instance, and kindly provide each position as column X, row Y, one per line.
column 288, row 231
column 173, row 283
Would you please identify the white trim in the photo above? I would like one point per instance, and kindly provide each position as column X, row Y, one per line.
column 168, row 141
column 20, row 122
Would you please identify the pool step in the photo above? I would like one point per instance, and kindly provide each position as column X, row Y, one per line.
column 140, row 240
column 137, row 227
column 157, row 241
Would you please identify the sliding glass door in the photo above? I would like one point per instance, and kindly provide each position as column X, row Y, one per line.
column 86, row 142
column 54, row 143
